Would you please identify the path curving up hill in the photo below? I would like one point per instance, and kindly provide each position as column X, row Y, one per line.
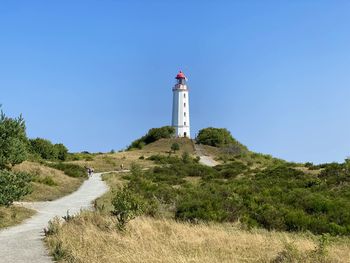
column 23, row 243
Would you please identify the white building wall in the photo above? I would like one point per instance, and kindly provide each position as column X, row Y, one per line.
column 181, row 111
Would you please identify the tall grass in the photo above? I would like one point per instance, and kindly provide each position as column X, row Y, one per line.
column 47, row 183
column 14, row 215
column 92, row 237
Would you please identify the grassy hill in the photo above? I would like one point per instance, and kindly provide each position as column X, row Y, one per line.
column 112, row 161
column 250, row 208
column 48, row 183
column 159, row 238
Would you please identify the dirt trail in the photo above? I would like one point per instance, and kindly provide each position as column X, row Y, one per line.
column 204, row 158
column 23, row 243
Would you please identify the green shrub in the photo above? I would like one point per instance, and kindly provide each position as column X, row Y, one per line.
column 61, row 151
column 220, row 137
column 13, row 186
column 277, row 196
column 69, row 169
column 126, row 207
column 175, row 147
column 13, row 142
column 44, row 180
column 44, row 148
column 47, row 150
column 231, row 170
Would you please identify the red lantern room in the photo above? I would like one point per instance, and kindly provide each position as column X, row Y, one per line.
column 180, row 75
column 181, row 78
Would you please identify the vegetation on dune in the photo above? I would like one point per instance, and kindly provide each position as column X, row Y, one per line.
column 175, row 147
column 12, row 215
column 17, row 182
column 253, row 189
column 93, row 237
column 13, row 150
column 13, row 142
column 153, row 135
column 45, row 149
column 279, row 197
column 220, row 137
column 47, row 183
column 126, row 207
column 13, row 186
column 70, row 169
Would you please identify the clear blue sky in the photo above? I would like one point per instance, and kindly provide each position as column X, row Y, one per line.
column 97, row 74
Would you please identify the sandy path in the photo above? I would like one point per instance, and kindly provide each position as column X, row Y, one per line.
column 204, row 159
column 23, row 243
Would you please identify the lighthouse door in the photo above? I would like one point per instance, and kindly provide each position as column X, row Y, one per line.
column 185, row 134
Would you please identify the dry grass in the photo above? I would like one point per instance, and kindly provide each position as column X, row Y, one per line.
column 163, row 146
column 211, row 150
column 112, row 161
column 61, row 184
column 13, row 215
column 92, row 237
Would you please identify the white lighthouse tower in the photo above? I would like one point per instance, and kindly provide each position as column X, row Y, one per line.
column 181, row 107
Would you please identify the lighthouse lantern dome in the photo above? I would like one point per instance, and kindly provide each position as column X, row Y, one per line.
column 181, row 78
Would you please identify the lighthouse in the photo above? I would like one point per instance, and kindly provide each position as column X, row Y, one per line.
column 181, row 107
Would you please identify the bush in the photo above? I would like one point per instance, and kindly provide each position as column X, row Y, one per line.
column 13, row 186
column 231, row 170
column 13, row 143
column 278, row 197
column 126, row 207
column 220, row 137
column 43, row 148
column 61, row 151
column 175, row 147
column 47, row 150
column 44, row 180
column 69, row 169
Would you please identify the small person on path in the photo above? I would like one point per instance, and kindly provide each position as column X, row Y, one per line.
column 90, row 171
column 122, row 167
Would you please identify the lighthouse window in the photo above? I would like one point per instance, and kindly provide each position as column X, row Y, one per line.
column 184, row 114
column 184, row 95
column 185, row 104
column 185, row 123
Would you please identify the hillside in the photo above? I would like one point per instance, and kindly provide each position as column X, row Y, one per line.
column 31, row 170
column 48, row 183
column 249, row 208
column 160, row 239
column 112, row 161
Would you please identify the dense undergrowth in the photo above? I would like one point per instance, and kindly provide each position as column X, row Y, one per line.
column 280, row 196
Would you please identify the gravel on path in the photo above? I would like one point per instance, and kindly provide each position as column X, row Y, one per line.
column 24, row 242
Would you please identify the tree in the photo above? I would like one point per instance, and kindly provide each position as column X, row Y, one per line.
column 186, row 158
column 13, row 141
column 175, row 147
column 44, row 148
column 61, row 151
column 159, row 133
column 13, row 186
